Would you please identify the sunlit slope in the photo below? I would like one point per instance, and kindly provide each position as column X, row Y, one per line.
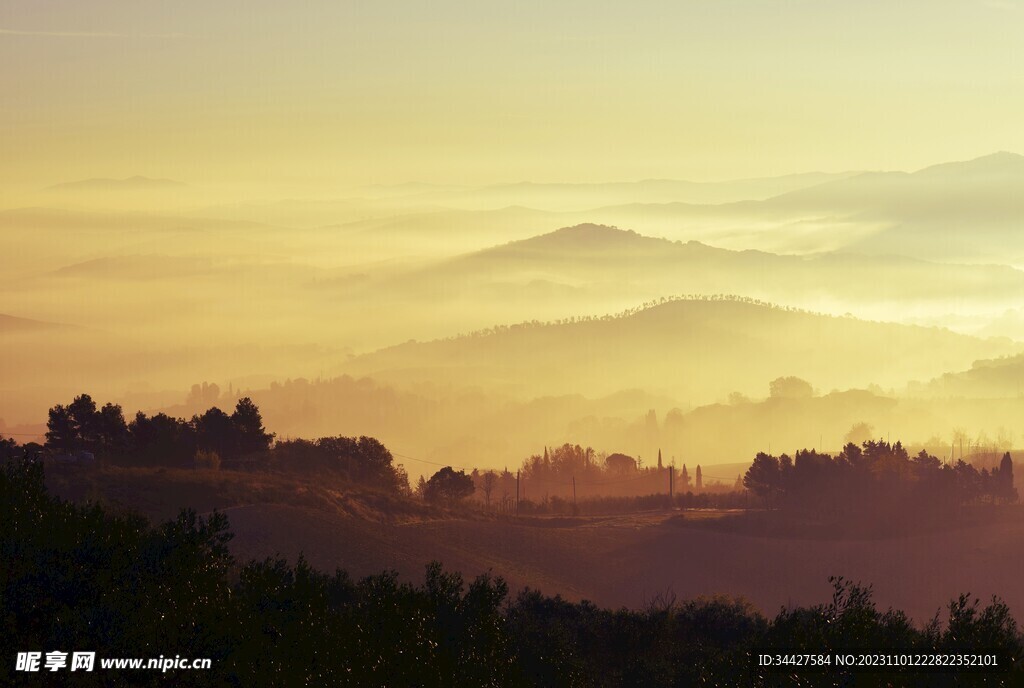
column 696, row 350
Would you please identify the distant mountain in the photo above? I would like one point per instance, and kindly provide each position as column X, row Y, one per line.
column 137, row 267
column 966, row 211
column 963, row 211
column 693, row 350
column 575, row 197
column 589, row 264
column 443, row 232
column 1002, row 165
column 45, row 238
column 154, row 267
column 990, row 176
column 43, row 218
column 136, row 183
column 10, row 324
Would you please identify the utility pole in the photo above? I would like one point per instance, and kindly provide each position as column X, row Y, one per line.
column 672, row 483
column 574, row 492
column 517, row 492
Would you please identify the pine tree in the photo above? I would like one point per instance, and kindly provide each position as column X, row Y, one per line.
column 1006, row 490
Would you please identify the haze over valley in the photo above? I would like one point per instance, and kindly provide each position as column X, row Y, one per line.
column 511, row 344
column 570, row 310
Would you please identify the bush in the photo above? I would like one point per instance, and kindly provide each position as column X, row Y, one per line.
column 209, row 460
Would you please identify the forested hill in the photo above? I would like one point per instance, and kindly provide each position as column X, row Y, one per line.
column 696, row 349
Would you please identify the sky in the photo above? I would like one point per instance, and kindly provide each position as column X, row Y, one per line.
column 321, row 95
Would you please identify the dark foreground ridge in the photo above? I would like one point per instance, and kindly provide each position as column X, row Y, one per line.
column 77, row 578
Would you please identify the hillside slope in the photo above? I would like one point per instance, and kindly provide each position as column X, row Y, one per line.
column 697, row 350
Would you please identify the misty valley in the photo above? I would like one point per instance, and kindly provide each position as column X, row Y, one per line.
column 529, row 434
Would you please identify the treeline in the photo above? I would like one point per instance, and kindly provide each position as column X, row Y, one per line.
column 78, row 578
column 646, row 305
column 877, row 476
column 159, row 439
column 571, row 473
column 571, row 470
column 82, row 432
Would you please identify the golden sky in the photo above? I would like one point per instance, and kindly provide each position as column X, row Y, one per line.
column 321, row 94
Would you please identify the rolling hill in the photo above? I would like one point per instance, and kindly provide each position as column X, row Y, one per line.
column 601, row 261
column 695, row 350
column 1000, row 378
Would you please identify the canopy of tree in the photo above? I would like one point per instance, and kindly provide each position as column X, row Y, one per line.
column 876, row 475
column 448, row 486
column 80, row 426
column 239, row 439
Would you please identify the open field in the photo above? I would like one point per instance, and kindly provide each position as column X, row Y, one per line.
column 613, row 560
column 626, row 561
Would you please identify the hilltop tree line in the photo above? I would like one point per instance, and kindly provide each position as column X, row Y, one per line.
column 211, row 439
column 647, row 305
column 78, row 577
column 81, row 426
column 875, row 475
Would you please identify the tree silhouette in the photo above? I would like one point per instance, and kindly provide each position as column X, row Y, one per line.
column 79, row 426
column 161, row 440
column 488, row 481
column 252, row 437
column 449, row 486
column 61, row 430
column 790, row 388
column 215, row 431
column 1006, row 491
column 621, row 463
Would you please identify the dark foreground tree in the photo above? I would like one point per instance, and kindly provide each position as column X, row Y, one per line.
column 252, row 437
column 79, row 578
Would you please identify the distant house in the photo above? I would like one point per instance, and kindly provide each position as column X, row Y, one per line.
column 620, row 463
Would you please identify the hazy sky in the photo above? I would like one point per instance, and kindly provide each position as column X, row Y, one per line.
column 322, row 93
